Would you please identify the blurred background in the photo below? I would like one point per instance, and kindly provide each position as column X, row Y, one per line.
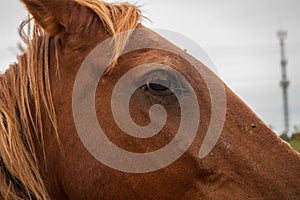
column 239, row 36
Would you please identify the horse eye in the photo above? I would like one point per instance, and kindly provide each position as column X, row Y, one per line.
column 159, row 88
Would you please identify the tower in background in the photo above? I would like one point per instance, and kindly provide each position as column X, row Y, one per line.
column 284, row 82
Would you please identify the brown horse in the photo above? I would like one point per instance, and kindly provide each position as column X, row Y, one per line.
column 43, row 155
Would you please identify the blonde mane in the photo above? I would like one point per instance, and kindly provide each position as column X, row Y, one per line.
column 26, row 99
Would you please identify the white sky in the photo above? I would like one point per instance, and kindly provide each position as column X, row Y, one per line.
column 240, row 37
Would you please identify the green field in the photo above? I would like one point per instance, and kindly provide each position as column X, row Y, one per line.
column 295, row 144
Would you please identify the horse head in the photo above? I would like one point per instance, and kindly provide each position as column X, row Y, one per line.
column 101, row 107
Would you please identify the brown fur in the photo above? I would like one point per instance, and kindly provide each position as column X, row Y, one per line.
column 40, row 146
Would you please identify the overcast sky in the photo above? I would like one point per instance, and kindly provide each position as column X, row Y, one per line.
column 239, row 36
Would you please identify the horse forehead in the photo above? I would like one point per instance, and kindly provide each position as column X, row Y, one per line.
column 145, row 37
column 163, row 50
column 143, row 46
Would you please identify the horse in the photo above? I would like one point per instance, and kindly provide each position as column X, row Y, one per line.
column 43, row 151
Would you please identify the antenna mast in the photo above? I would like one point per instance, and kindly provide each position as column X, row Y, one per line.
column 284, row 82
